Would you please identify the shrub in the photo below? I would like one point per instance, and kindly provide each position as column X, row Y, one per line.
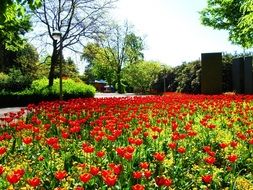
column 70, row 88
column 39, row 91
column 3, row 80
column 15, row 81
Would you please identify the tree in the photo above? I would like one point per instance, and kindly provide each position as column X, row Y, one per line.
column 26, row 60
column 76, row 19
column 14, row 22
column 233, row 15
column 100, row 63
column 142, row 75
column 121, row 47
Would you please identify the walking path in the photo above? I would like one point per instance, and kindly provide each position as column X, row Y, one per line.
column 97, row 95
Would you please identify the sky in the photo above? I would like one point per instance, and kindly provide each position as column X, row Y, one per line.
column 172, row 29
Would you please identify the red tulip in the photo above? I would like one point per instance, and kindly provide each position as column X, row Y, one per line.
column 137, row 174
column 60, row 175
column 34, row 182
column 232, row 158
column 27, row 140
column 138, row 187
column 181, row 150
column 144, row 165
column 147, row 174
column 85, row 177
column 207, row 178
column 2, row 150
column 172, row 145
column 1, row 169
column 110, row 180
column 94, row 170
column 100, row 154
column 210, row 160
column 159, row 156
column 13, row 178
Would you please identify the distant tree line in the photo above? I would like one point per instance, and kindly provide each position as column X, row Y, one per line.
column 186, row 78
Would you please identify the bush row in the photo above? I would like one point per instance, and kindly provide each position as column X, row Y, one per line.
column 39, row 91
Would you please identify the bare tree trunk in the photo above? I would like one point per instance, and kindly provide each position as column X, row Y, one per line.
column 53, row 64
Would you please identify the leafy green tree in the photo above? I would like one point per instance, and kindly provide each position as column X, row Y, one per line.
column 121, row 47
column 69, row 68
column 100, row 63
column 14, row 21
column 236, row 16
column 27, row 61
column 142, row 75
column 77, row 20
column 164, row 79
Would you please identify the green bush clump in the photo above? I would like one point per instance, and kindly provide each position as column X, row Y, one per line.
column 14, row 81
column 3, row 81
column 39, row 91
column 71, row 88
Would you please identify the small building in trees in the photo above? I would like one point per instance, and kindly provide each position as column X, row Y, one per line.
column 100, row 85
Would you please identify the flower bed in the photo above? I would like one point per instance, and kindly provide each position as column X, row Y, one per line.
column 176, row 141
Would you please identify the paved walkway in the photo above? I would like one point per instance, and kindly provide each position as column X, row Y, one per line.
column 97, row 95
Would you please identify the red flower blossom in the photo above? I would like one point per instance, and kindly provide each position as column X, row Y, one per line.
column 27, row 140
column 117, row 169
column 100, row 154
column 144, row 165
column 2, row 150
column 159, row 156
column 19, row 172
column 137, row 174
column 233, row 144
column 65, row 134
column 138, row 187
column 223, row 145
column 167, row 182
column 172, row 145
column 13, row 178
column 210, row 160
column 1, row 169
column 232, row 158
column 211, row 153
column 60, row 175
column 34, row 182
column 128, row 156
column 88, row 149
column 138, row 142
column 110, row 180
column 94, row 170
column 162, row 181
column 207, row 178
column 251, row 141
column 207, row 148
column 79, row 188
column 85, row 177
column 181, row 150
column 130, row 149
column 120, row 151
column 147, row 174
column 52, row 140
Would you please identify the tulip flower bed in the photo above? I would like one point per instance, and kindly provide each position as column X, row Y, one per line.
column 155, row 142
